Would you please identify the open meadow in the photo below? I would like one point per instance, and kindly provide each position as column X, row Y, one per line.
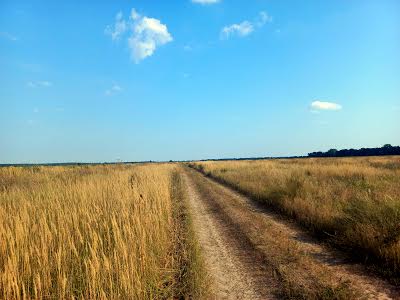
column 95, row 232
column 251, row 229
column 352, row 202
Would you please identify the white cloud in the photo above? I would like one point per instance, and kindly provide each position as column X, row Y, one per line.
column 246, row 27
column 134, row 14
column 263, row 18
column 145, row 34
column 118, row 29
column 35, row 84
column 115, row 89
column 322, row 105
column 242, row 29
column 8, row 36
column 205, row 1
column 148, row 34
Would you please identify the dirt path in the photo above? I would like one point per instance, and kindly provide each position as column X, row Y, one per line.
column 231, row 264
column 251, row 253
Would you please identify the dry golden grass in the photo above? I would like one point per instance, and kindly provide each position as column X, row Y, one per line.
column 289, row 270
column 94, row 232
column 354, row 202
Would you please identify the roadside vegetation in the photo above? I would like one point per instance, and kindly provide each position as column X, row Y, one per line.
column 352, row 202
column 96, row 232
column 271, row 258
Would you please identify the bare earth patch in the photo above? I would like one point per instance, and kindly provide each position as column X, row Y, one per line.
column 227, row 260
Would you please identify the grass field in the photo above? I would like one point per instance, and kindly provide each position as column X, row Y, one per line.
column 125, row 231
column 96, row 232
column 354, row 202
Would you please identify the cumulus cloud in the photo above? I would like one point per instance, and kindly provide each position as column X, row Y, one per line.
column 246, row 27
column 148, row 34
column 323, row 105
column 115, row 89
column 205, row 1
column 35, row 84
column 145, row 34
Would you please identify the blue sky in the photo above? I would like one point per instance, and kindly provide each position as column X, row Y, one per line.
column 97, row 81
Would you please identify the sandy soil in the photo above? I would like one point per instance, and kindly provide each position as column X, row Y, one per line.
column 233, row 231
column 231, row 265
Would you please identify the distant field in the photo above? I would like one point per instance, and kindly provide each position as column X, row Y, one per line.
column 354, row 202
column 98, row 232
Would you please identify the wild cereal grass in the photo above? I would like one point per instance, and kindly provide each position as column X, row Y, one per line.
column 94, row 232
column 355, row 202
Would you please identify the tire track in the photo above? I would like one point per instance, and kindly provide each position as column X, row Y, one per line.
column 251, row 253
column 234, row 267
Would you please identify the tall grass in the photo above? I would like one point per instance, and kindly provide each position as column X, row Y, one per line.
column 93, row 232
column 354, row 202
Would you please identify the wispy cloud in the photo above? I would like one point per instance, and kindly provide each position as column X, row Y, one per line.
column 145, row 34
column 36, row 84
column 115, row 89
column 204, row 2
column 323, row 105
column 8, row 36
column 118, row 29
column 262, row 19
column 246, row 27
column 242, row 29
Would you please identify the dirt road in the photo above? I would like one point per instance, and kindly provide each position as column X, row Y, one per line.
column 251, row 253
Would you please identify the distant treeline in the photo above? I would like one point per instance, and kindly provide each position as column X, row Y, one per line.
column 385, row 150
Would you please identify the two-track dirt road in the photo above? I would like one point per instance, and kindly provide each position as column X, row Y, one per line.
column 251, row 253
